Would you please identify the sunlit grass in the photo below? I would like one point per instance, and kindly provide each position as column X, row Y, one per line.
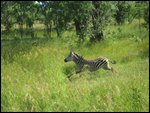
column 35, row 79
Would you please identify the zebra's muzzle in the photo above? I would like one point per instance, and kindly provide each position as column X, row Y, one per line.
column 65, row 60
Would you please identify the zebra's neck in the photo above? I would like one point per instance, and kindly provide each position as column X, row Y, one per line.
column 86, row 61
column 80, row 60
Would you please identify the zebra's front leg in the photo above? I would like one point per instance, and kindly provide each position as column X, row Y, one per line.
column 78, row 71
column 79, row 68
column 107, row 67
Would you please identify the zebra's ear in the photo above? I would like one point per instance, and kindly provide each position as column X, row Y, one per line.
column 75, row 55
column 71, row 51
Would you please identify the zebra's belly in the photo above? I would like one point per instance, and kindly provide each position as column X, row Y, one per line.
column 96, row 67
column 92, row 68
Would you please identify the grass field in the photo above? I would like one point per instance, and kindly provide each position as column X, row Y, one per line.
column 34, row 77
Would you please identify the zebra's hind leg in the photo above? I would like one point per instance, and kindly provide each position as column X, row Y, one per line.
column 113, row 71
column 107, row 67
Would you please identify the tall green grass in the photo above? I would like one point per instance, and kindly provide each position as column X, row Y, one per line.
column 34, row 77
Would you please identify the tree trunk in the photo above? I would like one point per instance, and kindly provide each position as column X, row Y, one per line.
column 57, row 29
column 50, row 29
column 79, row 30
column 21, row 29
column 7, row 26
column 96, row 37
column 29, row 26
column 96, row 34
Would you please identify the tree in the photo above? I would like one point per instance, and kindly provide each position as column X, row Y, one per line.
column 101, row 15
column 46, row 15
column 80, row 14
column 53, row 14
column 31, row 16
column 24, row 13
column 7, row 14
column 141, row 7
column 146, row 15
column 130, row 13
column 60, row 16
column 121, row 12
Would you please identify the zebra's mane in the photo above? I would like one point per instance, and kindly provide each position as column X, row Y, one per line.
column 78, row 56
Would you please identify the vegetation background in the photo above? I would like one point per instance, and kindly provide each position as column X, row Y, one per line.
column 37, row 36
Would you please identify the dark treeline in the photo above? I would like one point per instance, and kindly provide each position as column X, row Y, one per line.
column 88, row 18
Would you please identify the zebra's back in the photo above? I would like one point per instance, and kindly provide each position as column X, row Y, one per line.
column 97, row 63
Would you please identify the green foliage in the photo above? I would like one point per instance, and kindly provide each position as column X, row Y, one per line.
column 146, row 15
column 101, row 14
column 80, row 14
column 132, row 31
column 121, row 12
column 88, row 18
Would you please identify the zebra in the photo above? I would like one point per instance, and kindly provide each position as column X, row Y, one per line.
column 92, row 65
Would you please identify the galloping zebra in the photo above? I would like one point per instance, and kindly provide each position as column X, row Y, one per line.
column 92, row 65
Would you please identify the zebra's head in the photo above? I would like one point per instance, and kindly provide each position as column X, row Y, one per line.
column 70, row 57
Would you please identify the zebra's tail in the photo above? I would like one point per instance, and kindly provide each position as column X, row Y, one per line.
column 113, row 61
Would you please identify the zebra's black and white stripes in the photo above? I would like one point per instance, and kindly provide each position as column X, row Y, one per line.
column 92, row 65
